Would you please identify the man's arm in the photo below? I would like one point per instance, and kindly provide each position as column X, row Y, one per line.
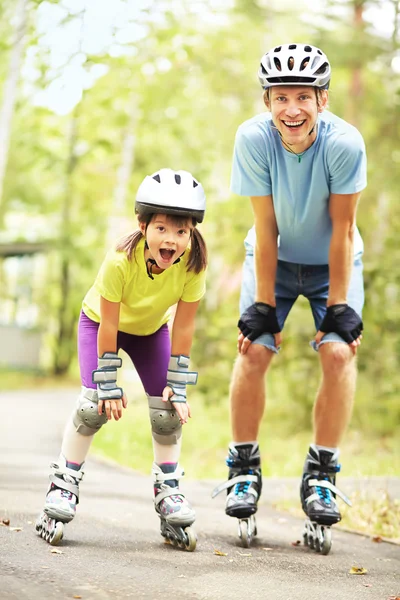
column 266, row 250
column 260, row 318
column 341, row 318
column 342, row 210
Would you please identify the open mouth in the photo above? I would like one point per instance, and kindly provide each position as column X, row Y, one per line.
column 294, row 124
column 167, row 254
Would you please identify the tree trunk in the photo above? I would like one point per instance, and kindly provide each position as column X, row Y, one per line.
column 66, row 318
column 356, row 84
column 119, row 223
column 10, row 91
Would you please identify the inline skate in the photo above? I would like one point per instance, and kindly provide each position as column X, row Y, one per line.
column 61, row 500
column 243, row 488
column 176, row 514
column 318, row 493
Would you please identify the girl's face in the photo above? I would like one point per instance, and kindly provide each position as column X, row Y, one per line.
column 167, row 238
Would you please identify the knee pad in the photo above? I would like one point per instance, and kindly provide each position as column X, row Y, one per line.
column 86, row 418
column 166, row 427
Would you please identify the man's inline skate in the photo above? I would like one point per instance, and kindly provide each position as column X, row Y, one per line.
column 176, row 514
column 61, row 500
column 318, row 498
column 244, row 488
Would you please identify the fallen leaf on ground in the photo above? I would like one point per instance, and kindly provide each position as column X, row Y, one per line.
column 358, row 571
column 394, row 598
column 244, row 553
column 55, row 551
column 296, row 543
column 267, row 548
column 16, row 529
column 219, row 553
column 367, row 584
column 77, row 596
column 5, row 522
column 377, row 539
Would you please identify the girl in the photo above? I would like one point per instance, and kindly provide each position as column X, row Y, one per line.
column 158, row 266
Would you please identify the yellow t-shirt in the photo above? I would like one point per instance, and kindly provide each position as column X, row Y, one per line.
column 145, row 302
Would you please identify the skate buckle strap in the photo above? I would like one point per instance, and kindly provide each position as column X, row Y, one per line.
column 165, row 492
column 328, row 485
column 57, row 470
column 231, row 482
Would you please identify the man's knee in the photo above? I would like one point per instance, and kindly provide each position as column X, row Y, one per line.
column 256, row 360
column 86, row 417
column 166, row 426
column 336, row 356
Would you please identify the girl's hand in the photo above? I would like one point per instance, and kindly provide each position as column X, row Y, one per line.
column 182, row 408
column 113, row 408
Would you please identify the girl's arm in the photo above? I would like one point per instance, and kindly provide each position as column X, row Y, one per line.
column 183, row 327
column 107, row 344
column 182, row 337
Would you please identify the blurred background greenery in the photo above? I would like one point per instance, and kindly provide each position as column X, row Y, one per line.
column 96, row 95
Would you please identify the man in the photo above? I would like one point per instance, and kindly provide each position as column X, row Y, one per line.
column 304, row 169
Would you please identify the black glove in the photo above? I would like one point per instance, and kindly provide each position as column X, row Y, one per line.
column 343, row 320
column 257, row 319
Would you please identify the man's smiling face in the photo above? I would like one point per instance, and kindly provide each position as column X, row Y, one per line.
column 294, row 111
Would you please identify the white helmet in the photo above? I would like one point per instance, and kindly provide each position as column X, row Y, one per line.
column 295, row 64
column 172, row 193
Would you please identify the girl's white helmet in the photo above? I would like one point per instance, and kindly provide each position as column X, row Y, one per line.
column 295, row 64
column 171, row 193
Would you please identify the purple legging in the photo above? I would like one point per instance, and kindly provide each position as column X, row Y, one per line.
column 149, row 353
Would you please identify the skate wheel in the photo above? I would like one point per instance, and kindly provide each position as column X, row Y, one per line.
column 191, row 539
column 244, row 533
column 57, row 534
column 305, row 539
column 311, row 543
column 327, row 541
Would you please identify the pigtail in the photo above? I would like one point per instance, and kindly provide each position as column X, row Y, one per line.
column 198, row 253
column 128, row 243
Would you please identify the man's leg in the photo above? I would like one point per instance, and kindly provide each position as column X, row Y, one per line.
column 247, row 392
column 332, row 408
column 334, row 402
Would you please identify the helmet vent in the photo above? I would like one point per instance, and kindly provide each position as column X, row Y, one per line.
column 322, row 69
column 277, row 63
column 157, row 178
column 195, row 184
column 304, row 63
column 290, row 63
column 319, row 51
column 307, row 49
column 292, row 46
column 177, row 178
column 278, row 49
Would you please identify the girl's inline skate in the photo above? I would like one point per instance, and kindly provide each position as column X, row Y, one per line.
column 61, row 500
column 176, row 514
column 244, row 488
column 318, row 497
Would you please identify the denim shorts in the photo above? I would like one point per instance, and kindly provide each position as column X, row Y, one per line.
column 294, row 280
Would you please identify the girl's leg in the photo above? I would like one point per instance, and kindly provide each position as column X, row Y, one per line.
column 75, row 446
column 63, row 493
column 151, row 355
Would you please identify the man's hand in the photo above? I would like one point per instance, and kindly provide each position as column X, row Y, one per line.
column 343, row 320
column 259, row 318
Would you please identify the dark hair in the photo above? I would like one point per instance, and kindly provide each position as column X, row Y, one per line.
column 198, row 250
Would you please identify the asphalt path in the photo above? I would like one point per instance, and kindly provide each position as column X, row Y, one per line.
column 113, row 549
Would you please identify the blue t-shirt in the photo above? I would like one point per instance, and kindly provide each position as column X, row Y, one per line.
column 300, row 187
